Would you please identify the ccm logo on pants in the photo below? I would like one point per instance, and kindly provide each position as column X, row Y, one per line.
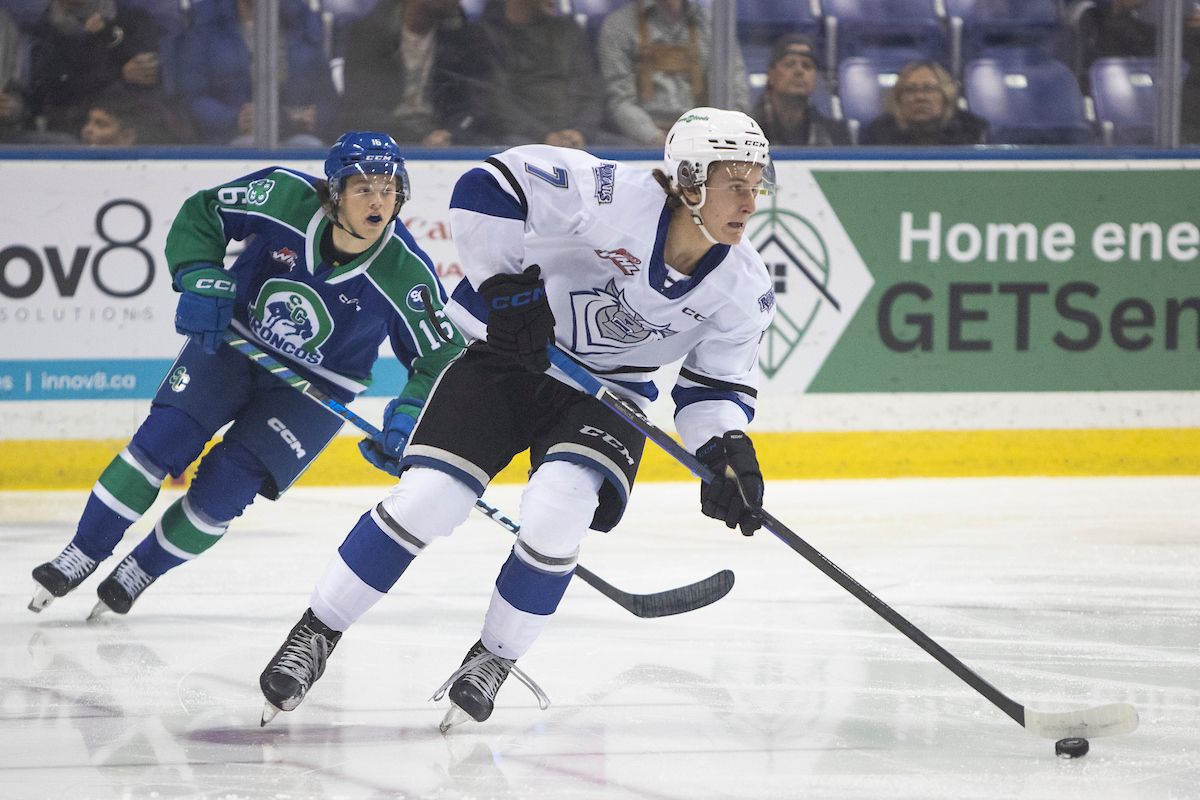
column 608, row 439
column 274, row 424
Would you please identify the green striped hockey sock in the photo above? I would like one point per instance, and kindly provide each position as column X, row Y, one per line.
column 126, row 488
column 182, row 533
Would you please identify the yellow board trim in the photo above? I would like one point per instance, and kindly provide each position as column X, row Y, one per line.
column 76, row 463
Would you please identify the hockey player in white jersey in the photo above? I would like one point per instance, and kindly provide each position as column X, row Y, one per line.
column 624, row 270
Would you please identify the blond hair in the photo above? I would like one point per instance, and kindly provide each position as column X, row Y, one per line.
column 945, row 84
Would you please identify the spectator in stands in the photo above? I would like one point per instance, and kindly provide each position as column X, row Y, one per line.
column 1126, row 28
column 124, row 117
column 654, row 57
column 216, row 78
column 81, row 47
column 784, row 111
column 407, row 70
column 1190, row 95
column 12, row 80
column 114, row 119
column 922, row 109
column 1120, row 30
column 540, row 82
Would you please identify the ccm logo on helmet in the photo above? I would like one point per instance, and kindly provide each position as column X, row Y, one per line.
column 220, row 284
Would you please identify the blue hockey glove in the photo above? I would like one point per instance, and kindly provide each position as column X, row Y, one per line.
column 399, row 419
column 735, row 498
column 520, row 322
column 206, row 306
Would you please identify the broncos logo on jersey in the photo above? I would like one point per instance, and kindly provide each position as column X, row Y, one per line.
column 291, row 318
column 605, row 322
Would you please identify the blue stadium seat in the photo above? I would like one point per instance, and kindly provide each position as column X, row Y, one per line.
column 347, row 9
column 473, row 8
column 979, row 28
column 167, row 14
column 1028, row 104
column 1124, row 97
column 764, row 21
column 589, row 13
column 25, row 12
column 878, row 27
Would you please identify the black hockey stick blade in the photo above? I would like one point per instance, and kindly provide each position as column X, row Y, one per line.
column 660, row 604
column 665, row 603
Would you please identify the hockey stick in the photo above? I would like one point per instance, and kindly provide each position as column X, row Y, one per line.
column 659, row 604
column 1107, row 720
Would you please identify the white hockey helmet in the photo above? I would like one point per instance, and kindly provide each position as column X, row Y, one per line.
column 705, row 136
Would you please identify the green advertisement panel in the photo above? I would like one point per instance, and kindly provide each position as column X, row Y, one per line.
column 1044, row 279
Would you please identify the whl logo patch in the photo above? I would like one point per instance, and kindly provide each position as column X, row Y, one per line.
column 622, row 259
column 816, row 290
column 292, row 318
column 286, row 256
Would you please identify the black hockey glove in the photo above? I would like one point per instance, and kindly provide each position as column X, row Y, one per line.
column 735, row 498
column 520, row 322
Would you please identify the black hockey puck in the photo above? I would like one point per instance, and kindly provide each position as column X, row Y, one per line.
column 1071, row 748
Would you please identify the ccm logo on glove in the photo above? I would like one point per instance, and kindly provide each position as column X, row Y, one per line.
column 520, row 299
column 215, row 284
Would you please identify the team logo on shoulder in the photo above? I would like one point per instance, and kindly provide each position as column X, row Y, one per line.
column 767, row 301
column 605, row 322
column 179, row 379
column 413, row 300
column 285, row 255
column 292, row 318
column 605, row 182
column 622, row 259
column 258, row 191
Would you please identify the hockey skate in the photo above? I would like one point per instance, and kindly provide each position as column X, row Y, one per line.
column 474, row 685
column 297, row 665
column 124, row 585
column 60, row 575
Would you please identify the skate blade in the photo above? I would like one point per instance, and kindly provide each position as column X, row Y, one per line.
column 455, row 716
column 99, row 610
column 269, row 713
column 41, row 599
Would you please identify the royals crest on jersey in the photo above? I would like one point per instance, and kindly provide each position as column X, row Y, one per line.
column 605, row 322
column 291, row 318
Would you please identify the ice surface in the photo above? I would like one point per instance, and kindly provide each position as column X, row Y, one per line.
column 1063, row 593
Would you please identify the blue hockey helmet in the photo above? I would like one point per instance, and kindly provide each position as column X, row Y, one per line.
column 365, row 153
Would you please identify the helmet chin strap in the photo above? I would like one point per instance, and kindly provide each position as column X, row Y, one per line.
column 339, row 224
column 337, row 206
column 695, row 211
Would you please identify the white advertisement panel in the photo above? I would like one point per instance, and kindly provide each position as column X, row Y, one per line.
column 86, row 304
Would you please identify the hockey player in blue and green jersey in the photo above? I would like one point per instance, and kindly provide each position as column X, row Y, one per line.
column 328, row 273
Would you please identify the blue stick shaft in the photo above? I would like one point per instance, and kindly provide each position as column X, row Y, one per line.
column 631, row 412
